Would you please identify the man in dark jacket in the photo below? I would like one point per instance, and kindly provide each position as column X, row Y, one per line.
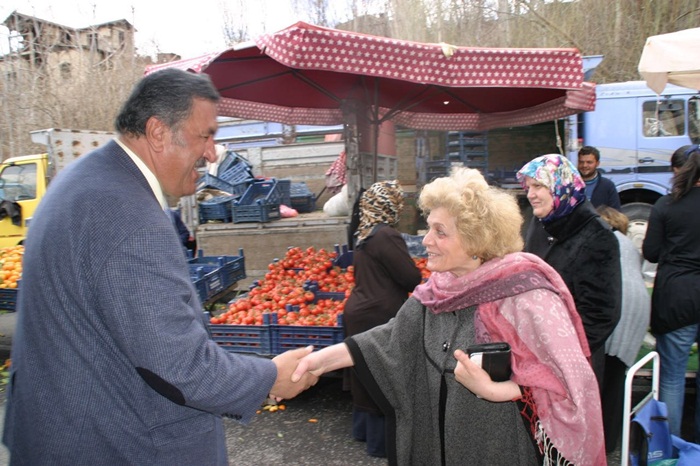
column 599, row 190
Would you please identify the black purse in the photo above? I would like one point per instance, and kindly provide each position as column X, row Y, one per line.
column 494, row 358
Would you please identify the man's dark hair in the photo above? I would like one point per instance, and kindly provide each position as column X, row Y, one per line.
column 590, row 150
column 167, row 95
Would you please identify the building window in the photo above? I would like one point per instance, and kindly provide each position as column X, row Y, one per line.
column 66, row 69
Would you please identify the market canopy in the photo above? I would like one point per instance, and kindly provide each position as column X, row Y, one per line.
column 307, row 74
column 672, row 58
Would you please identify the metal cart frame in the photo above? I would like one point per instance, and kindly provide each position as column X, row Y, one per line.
column 628, row 411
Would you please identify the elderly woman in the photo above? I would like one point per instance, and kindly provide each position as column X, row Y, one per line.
column 568, row 234
column 441, row 407
column 384, row 276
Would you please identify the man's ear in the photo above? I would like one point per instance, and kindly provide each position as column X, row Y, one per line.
column 157, row 134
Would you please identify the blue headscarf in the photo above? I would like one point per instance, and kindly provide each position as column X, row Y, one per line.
column 563, row 180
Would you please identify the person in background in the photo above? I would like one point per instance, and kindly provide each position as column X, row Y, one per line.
column 385, row 274
column 441, row 407
column 111, row 359
column 599, row 190
column 622, row 347
column 680, row 157
column 186, row 239
column 569, row 235
column 672, row 241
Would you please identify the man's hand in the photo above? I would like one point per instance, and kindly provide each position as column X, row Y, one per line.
column 286, row 363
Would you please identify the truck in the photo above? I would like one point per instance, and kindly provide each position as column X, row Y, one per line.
column 24, row 179
column 637, row 131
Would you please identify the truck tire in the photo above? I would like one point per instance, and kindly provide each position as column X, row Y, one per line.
column 638, row 214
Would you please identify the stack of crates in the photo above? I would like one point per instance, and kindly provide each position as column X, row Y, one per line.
column 231, row 268
column 234, row 176
column 260, row 202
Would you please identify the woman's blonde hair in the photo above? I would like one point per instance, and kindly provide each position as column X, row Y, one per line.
column 488, row 219
column 615, row 218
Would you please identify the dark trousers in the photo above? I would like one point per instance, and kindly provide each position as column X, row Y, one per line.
column 370, row 428
column 598, row 364
column 612, row 398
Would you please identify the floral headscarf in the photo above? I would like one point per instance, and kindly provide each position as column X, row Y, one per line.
column 381, row 203
column 557, row 173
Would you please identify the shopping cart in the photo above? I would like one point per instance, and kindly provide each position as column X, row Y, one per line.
column 628, row 410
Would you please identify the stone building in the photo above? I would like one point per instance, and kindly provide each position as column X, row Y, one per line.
column 64, row 52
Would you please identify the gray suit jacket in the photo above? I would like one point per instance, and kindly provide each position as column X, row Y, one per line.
column 112, row 363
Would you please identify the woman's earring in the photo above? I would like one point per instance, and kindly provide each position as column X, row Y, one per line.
column 475, row 257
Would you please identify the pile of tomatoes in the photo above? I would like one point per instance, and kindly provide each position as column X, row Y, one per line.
column 286, row 291
column 11, row 266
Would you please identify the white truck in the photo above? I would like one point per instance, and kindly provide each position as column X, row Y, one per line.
column 637, row 131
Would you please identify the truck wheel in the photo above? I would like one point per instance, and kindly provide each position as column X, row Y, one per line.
column 638, row 214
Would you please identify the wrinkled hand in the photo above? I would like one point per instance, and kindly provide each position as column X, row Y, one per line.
column 478, row 381
column 309, row 364
column 287, row 362
column 472, row 376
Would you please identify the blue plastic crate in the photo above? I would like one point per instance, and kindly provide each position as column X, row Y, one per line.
column 211, row 181
column 284, row 188
column 231, row 268
column 286, row 337
column 265, row 191
column 414, row 243
column 260, row 203
column 303, row 204
column 232, row 158
column 318, row 294
column 8, row 299
column 299, row 189
column 254, row 339
column 239, row 173
column 261, row 213
column 206, row 279
column 216, row 209
column 344, row 257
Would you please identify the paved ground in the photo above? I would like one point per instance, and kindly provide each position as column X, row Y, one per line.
column 314, row 429
column 290, row 437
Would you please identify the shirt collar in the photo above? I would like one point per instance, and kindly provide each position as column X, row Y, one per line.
column 150, row 177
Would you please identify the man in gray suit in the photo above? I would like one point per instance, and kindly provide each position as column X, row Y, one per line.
column 111, row 360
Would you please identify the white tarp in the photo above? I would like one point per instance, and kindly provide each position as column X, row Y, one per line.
column 672, row 58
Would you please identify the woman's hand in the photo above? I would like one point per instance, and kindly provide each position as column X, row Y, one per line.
column 477, row 381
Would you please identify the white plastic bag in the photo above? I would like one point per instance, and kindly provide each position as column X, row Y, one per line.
column 338, row 205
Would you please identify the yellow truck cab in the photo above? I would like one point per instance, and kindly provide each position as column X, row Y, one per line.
column 20, row 192
column 24, row 179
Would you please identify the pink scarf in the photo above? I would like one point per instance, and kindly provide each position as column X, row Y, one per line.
column 523, row 301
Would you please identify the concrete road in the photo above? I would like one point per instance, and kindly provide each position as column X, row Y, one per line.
column 314, row 429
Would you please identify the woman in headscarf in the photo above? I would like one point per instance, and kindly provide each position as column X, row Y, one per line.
column 443, row 408
column 385, row 274
column 569, row 235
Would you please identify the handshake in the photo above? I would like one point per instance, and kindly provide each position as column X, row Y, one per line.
column 299, row 369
